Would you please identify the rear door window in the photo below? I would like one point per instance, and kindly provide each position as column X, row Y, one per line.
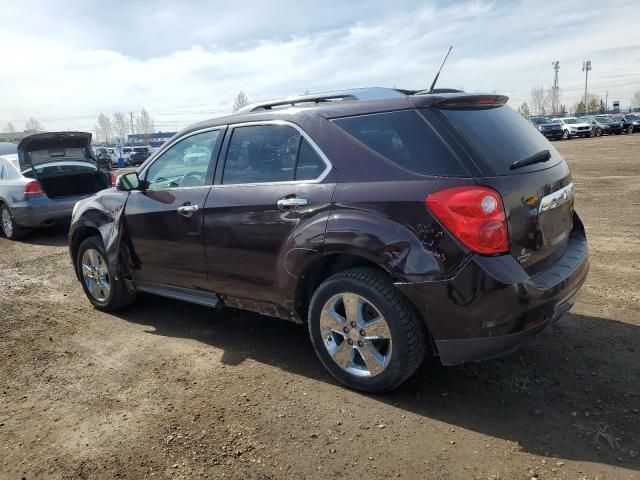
column 404, row 138
column 270, row 153
column 493, row 137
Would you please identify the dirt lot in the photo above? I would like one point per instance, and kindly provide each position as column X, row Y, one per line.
column 172, row 390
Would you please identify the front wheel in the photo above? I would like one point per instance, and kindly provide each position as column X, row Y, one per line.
column 630, row 129
column 566, row 135
column 8, row 224
column 364, row 331
column 598, row 132
column 103, row 288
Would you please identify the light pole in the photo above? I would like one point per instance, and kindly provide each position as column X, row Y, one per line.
column 586, row 68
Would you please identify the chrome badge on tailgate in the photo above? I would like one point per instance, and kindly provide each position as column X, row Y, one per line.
column 557, row 198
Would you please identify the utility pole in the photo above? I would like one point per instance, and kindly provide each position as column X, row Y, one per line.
column 132, row 130
column 606, row 100
column 555, row 93
column 586, row 68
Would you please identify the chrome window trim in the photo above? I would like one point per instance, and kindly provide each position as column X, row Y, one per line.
column 143, row 173
column 303, row 134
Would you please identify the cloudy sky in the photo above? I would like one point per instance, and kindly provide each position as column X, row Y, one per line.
column 64, row 62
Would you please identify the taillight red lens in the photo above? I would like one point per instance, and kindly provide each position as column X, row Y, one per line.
column 474, row 215
column 114, row 177
column 33, row 189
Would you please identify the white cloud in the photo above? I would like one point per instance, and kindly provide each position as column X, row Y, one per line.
column 67, row 73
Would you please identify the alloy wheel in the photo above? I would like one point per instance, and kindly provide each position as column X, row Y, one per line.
column 96, row 275
column 356, row 335
column 7, row 222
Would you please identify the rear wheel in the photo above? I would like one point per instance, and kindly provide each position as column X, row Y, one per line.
column 598, row 132
column 104, row 290
column 364, row 331
column 8, row 224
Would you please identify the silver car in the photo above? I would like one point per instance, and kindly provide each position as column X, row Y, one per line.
column 44, row 177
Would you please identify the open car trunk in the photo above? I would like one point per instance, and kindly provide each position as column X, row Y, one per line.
column 63, row 163
column 66, row 179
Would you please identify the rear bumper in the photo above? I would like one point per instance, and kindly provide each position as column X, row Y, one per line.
column 491, row 306
column 42, row 212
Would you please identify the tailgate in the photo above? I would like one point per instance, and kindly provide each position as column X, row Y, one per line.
column 539, row 209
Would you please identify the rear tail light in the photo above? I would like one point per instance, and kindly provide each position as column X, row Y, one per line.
column 33, row 189
column 114, row 177
column 474, row 215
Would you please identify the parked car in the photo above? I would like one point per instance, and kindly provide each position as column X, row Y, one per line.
column 630, row 122
column 392, row 227
column 138, row 155
column 573, row 127
column 40, row 184
column 195, row 155
column 550, row 129
column 603, row 125
column 126, row 151
column 103, row 157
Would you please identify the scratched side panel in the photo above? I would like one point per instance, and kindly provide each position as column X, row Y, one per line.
column 388, row 223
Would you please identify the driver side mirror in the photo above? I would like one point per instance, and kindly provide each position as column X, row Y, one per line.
column 129, row 181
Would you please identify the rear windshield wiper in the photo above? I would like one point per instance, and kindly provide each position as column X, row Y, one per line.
column 541, row 156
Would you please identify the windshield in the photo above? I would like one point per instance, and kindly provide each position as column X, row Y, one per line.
column 570, row 121
column 494, row 138
column 602, row 118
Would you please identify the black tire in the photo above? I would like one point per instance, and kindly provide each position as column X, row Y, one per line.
column 598, row 132
column 630, row 129
column 566, row 135
column 15, row 231
column 119, row 296
column 408, row 333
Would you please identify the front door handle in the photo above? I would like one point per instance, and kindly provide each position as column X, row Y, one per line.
column 187, row 210
column 292, row 202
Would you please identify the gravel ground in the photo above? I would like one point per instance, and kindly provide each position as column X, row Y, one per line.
column 173, row 390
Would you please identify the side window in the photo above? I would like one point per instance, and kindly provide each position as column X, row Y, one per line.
column 404, row 138
column 270, row 153
column 185, row 164
column 310, row 165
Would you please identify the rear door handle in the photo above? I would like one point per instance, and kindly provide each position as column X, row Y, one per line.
column 292, row 202
column 187, row 210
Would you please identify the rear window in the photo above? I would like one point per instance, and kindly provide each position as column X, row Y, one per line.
column 406, row 139
column 493, row 137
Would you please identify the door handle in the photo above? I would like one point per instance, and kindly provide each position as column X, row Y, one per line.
column 187, row 210
column 292, row 202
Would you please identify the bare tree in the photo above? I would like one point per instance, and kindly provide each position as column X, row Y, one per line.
column 580, row 107
column 540, row 100
column 240, row 101
column 103, row 128
column 593, row 103
column 9, row 128
column 33, row 126
column 145, row 124
column 635, row 100
column 524, row 110
column 120, row 125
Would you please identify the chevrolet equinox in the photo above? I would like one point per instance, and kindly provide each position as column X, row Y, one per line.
column 393, row 223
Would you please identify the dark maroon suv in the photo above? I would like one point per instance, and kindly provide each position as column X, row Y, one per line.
column 393, row 223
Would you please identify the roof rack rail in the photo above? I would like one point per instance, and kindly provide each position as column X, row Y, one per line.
column 375, row 93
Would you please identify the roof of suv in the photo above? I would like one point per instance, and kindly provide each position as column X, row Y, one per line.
column 336, row 104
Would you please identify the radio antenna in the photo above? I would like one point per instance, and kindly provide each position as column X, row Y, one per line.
column 438, row 74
